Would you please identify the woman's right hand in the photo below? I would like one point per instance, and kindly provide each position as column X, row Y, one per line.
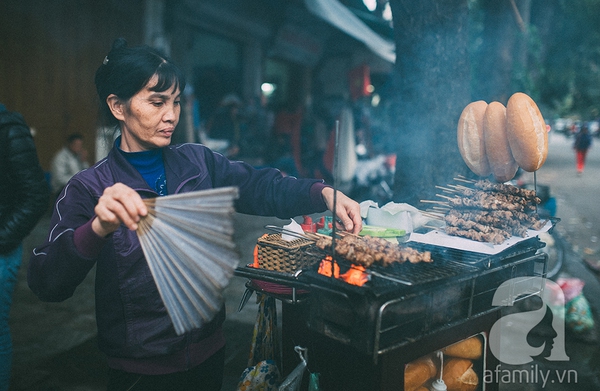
column 118, row 204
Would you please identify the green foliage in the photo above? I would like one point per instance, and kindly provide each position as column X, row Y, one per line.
column 568, row 75
column 562, row 72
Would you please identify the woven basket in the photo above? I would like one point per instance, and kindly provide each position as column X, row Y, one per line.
column 280, row 255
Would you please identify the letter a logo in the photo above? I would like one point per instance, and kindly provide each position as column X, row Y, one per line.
column 508, row 336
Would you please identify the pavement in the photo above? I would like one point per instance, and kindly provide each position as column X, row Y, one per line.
column 55, row 343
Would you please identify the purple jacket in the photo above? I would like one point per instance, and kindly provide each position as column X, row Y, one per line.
column 132, row 320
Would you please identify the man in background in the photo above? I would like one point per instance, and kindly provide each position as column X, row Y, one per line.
column 71, row 159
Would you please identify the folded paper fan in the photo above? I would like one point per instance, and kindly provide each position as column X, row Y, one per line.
column 188, row 243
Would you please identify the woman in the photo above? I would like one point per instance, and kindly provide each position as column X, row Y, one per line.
column 97, row 212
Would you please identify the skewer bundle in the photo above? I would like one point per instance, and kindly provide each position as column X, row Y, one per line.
column 188, row 243
column 486, row 211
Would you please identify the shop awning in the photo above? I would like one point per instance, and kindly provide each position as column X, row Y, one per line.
column 342, row 18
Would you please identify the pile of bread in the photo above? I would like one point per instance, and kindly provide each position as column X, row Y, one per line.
column 458, row 373
column 494, row 139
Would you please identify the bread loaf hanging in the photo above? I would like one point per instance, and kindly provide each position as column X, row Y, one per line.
column 470, row 138
column 526, row 132
column 502, row 163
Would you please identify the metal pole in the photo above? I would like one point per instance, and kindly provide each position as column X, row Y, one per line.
column 335, row 186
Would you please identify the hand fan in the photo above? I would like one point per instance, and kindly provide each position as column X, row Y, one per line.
column 188, row 243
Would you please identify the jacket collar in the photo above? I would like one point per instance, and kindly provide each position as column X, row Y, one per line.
column 179, row 170
column 124, row 172
column 182, row 174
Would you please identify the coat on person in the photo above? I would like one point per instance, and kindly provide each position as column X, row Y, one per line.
column 24, row 192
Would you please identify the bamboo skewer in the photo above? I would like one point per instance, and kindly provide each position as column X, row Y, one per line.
column 463, row 179
column 449, row 189
column 435, row 202
column 445, row 197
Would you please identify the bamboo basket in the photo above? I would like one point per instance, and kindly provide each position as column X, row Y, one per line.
column 280, row 255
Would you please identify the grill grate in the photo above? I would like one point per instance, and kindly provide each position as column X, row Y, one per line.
column 448, row 264
column 419, row 273
column 395, row 277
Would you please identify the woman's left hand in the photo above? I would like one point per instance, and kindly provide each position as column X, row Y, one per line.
column 347, row 210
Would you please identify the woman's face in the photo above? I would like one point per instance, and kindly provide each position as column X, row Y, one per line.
column 149, row 118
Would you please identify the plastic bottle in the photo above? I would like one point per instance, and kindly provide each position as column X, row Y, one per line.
column 308, row 225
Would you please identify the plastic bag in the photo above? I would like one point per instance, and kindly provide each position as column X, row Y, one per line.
column 294, row 379
column 578, row 315
column 313, row 384
column 264, row 376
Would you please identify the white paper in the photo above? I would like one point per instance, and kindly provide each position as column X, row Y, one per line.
column 393, row 215
column 440, row 238
column 364, row 207
column 293, row 226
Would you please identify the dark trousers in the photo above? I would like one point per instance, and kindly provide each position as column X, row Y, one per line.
column 207, row 376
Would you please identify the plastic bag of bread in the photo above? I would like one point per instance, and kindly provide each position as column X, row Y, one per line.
column 471, row 348
column 459, row 375
column 418, row 372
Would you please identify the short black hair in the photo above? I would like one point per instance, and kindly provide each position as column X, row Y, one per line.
column 127, row 70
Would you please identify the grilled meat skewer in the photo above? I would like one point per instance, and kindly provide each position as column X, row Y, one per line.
column 367, row 250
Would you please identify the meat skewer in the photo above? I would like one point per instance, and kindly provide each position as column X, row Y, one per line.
column 530, row 198
column 368, row 250
column 491, row 237
column 486, row 185
column 487, row 212
column 488, row 202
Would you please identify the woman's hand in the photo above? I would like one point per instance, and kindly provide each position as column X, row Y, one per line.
column 118, row 204
column 347, row 210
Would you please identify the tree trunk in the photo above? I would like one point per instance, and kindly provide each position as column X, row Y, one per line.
column 430, row 89
column 501, row 66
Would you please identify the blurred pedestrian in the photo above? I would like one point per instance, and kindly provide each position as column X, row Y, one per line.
column 93, row 224
column 71, row 159
column 24, row 196
column 583, row 141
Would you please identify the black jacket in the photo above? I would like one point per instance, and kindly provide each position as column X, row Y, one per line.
column 24, row 192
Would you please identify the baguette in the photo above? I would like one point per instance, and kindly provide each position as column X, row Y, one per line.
column 502, row 163
column 526, row 132
column 459, row 375
column 470, row 348
column 470, row 138
column 418, row 372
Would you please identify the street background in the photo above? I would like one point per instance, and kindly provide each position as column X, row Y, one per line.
column 55, row 344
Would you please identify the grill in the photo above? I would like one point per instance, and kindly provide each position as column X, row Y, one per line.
column 361, row 337
column 384, row 315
